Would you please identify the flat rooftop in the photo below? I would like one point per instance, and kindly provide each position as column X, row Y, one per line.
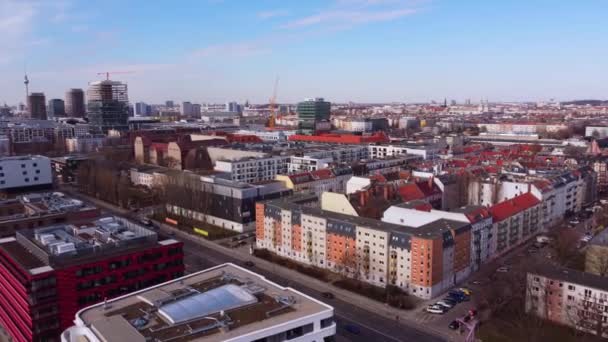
column 217, row 304
column 68, row 244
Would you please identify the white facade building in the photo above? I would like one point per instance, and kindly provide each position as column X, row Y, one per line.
column 205, row 313
column 25, row 171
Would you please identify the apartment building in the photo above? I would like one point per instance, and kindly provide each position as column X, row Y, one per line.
column 251, row 170
column 569, row 297
column 515, row 220
column 47, row 274
column 423, row 261
column 319, row 181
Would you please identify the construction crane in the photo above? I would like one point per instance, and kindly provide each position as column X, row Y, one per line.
column 273, row 99
column 107, row 73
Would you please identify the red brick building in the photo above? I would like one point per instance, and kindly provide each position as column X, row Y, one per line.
column 48, row 274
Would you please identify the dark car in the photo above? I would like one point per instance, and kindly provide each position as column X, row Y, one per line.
column 454, row 325
column 353, row 329
column 249, row 263
column 466, row 318
column 328, row 295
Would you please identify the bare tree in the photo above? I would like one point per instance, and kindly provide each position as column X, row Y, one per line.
column 596, row 260
column 565, row 245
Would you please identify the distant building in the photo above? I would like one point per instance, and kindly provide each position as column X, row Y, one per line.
column 187, row 109
column 196, row 109
column 108, row 106
column 56, row 108
column 169, row 104
column 597, row 132
column 23, row 172
column 222, row 303
column 233, row 107
column 36, row 105
column 142, row 109
column 50, row 273
column 311, row 113
column 74, row 103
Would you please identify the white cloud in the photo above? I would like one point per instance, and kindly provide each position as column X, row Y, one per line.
column 346, row 17
column 348, row 13
column 230, row 50
column 272, row 14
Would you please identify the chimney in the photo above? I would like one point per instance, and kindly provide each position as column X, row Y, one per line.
column 430, row 182
column 386, row 192
column 362, row 198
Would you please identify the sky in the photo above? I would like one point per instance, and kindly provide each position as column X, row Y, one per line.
column 343, row 50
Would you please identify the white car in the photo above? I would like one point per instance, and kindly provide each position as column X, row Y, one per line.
column 502, row 269
column 574, row 222
column 435, row 309
column 444, row 304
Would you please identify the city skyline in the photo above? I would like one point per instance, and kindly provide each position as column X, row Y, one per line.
column 512, row 51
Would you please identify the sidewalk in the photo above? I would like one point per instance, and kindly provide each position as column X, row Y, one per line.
column 407, row 318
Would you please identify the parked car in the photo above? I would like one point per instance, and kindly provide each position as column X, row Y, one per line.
column 353, row 329
column 249, row 263
column 446, row 304
column 454, row 325
column 575, row 222
column 436, row 309
column 532, row 250
column 456, row 297
column 502, row 269
column 327, row 295
column 466, row 318
column 466, row 291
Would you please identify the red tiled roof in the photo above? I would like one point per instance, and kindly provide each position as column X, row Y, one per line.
column 410, row 192
column 322, row 174
column 513, row 206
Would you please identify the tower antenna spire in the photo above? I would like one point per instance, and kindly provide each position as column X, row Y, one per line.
column 26, row 81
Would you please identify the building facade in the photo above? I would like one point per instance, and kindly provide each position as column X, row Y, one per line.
column 36, row 105
column 74, row 103
column 569, row 297
column 19, row 173
column 312, row 112
column 108, row 106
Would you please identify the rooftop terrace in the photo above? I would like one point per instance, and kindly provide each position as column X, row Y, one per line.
column 217, row 304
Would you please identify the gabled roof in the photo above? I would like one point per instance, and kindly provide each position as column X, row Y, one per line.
column 510, row 207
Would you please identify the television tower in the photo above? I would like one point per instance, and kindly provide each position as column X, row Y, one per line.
column 26, row 81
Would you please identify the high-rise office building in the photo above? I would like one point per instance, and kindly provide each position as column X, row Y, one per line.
column 36, row 104
column 56, row 108
column 311, row 113
column 196, row 109
column 142, row 109
column 108, row 106
column 169, row 104
column 232, row 107
column 187, row 108
column 74, row 103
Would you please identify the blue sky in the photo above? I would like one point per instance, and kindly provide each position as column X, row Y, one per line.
column 343, row 50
